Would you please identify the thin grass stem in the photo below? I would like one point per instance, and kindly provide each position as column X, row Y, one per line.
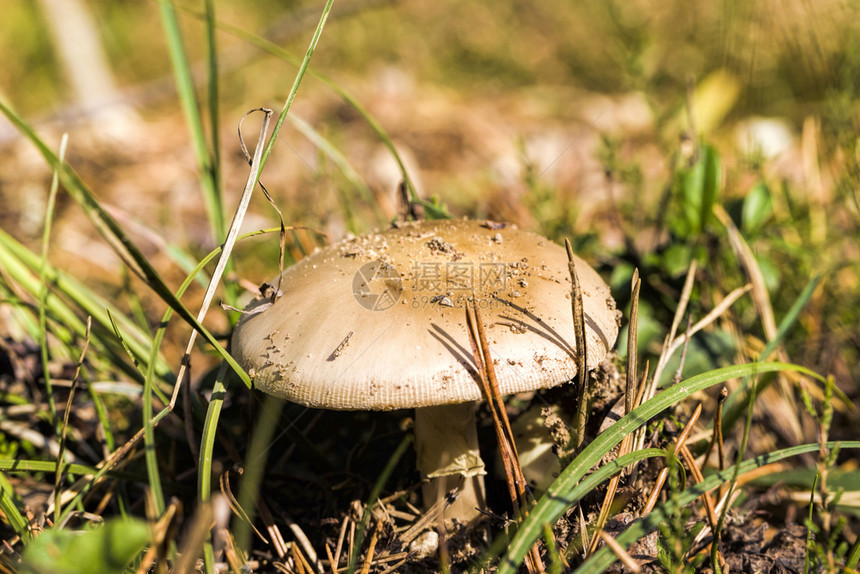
column 58, row 473
column 43, row 292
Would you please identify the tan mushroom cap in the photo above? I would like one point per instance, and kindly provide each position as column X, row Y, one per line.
column 378, row 322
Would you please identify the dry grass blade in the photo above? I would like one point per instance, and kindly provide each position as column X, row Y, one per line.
column 632, row 396
column 272, row 529
column 395, row 567
column 718, row 508
column 668, row 348
column 163, row 534
column 513, row 470
column 195, row 537
column 374, row 538
column 85, row 483
column 234, row 557
column 620, row 552
column 678, row 373
column 581, row 350
column 632, row 343
column 688, row 428
column 501, row 424
column 697, row 477
column 713, row 521
column 672, row 345
column 234, row 504
column 608, row 498
column 680, row 444
column 226, row 251
column 623, row 449
column 302, row 540
column 430, row 516
column 331, row 561
column 339, row 547
column 780, row 406
column 655, row 492
column 717, row 436
column 301, row 562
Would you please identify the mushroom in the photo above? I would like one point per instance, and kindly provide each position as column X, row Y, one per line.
column 377, row 322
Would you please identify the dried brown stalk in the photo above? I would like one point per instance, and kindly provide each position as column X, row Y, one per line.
column 374, row 538
column 510, row 458
column 632, row 343
column 581, row 350
column 680, row 442
column 780, row 405
column 620, row 552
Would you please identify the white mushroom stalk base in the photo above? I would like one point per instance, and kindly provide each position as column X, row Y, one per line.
column 446, row 441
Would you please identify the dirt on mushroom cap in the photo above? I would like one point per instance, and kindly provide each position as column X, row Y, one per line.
column 378, row 321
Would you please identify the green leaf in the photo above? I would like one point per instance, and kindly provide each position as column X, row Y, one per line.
column 700, row 185
column 770, row 272
column 107, row 549
column 676, row 259
column 757, row 208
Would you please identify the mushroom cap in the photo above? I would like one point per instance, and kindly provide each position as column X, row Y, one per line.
column 378, row 322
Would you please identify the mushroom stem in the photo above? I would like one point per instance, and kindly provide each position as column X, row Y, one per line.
column 446, row 441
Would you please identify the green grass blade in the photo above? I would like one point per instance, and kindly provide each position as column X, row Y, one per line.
column 267, row 417
column 188, row 99
column 790, row 317
column 22, row 264
column 119, row 241
column 207, row 446
column 150, row 451
column 157, row 342
column 603, row 558
column 10, row 465
column 7, row 504
column 737, row 402
column 303, row 66
column 853, row 557
column 588, row 484
column 102, row 415
column 24, row 276
column 555, row 561
column 556, row 500
column 152, row 359
column 343, row 165
column 212, row 94
column 212, row 413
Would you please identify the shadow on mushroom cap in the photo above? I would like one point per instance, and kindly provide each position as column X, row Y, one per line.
column 378, row 322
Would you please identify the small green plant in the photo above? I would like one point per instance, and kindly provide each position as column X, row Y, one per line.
column 99, row 549
column 676, row 535
column 826, row 547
